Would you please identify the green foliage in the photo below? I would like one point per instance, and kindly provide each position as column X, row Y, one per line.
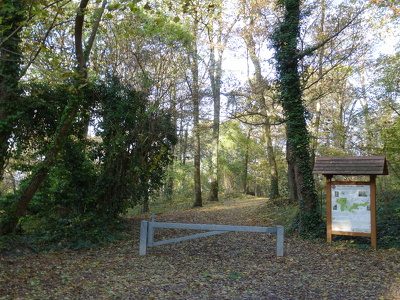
column 11, row 16
column 74, row 231
column 91, row 183
column 308, row 224
column 279, row 212
column 68, row 189
column 137, row 140
column 388, row 219
column 157, row 24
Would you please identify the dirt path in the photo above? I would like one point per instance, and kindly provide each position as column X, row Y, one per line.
column 229, row 266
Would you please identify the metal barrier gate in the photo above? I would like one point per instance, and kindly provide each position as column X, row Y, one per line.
column 147, row 233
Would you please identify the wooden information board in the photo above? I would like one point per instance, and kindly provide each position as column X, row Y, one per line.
column 351, row 209
column 351, row 205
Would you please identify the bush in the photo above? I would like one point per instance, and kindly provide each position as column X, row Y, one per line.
column 388, row 219
column 90, row 184
column 72, row 232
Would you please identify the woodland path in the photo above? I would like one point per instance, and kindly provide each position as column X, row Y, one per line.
column 234, row 265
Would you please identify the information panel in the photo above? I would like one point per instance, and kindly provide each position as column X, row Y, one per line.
column 351, row 208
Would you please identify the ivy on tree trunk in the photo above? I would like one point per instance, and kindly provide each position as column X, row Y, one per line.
column 11, row 16
column 285, row 41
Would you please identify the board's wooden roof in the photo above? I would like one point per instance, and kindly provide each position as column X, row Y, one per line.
column 351, row 165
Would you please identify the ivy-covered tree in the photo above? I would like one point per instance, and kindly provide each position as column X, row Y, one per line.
column 70, row 111
column 287, row 57
column 12, row 14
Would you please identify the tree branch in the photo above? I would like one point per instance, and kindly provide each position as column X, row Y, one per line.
column 80, row 17
column 312, row 49
column 95, row 28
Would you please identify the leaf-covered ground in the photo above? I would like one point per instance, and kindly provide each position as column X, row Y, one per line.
column 227, row 266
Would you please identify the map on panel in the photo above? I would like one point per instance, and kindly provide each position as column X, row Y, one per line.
column 351, row 211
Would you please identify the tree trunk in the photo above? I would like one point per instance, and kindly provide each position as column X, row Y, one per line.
column 290, row 93
column 198, row 201
column 273, row 168
column 215, row 78
column 10, row 68
column 321, row 54
column 145, row 205
column 292, row 183
column 215, row 71
column 67, row 120
column 246, row 187
column 259, row 89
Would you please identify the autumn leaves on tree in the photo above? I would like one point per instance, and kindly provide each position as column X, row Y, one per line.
column 264, row 130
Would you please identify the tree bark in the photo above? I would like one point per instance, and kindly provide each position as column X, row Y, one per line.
column 285, row 42
column 217, row 49
column 246, row 186
column 215, row 78
column 198, row 201
column 259, row 89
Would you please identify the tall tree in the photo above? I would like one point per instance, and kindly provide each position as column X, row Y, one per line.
column 260, row 86
column 285, row 40
column 195, row 95
column 12, row 14
column 69, row 114
column 218, row 35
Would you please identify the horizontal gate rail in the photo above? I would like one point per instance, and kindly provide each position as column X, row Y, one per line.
column 147, row 233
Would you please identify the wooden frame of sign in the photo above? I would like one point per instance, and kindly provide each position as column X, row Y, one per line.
column 340, row 216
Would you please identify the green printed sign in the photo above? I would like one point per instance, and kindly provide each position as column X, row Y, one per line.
column 351, row 211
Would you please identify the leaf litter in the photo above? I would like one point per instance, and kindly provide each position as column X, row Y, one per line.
column 233, row 265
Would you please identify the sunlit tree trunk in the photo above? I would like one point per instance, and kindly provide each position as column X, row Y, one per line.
column 194, row 67
column 246, row 188
column 218, row 38
column 215, row 78
column 317, row 121
column 260, row 87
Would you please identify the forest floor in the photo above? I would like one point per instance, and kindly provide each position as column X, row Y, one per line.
column 233, row 265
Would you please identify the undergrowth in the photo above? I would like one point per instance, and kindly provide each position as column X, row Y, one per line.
column 387, row 215
column 87, row 232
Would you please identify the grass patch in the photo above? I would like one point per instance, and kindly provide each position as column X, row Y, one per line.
column 178, row 203
column 278, row 212
column 162, row 205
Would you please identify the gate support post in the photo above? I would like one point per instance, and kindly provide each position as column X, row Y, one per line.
column 144, row 225
column 279, row 240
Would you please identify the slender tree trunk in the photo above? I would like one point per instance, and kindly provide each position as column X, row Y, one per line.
column 285, row 43
column 246, row 188
column 273, row 168
column 215, row 71
column 184, row 146
column 198, row 201
column 260, row 88
column 369, row 132
column 145, row 205
column 215, row 78
column 321, row 54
